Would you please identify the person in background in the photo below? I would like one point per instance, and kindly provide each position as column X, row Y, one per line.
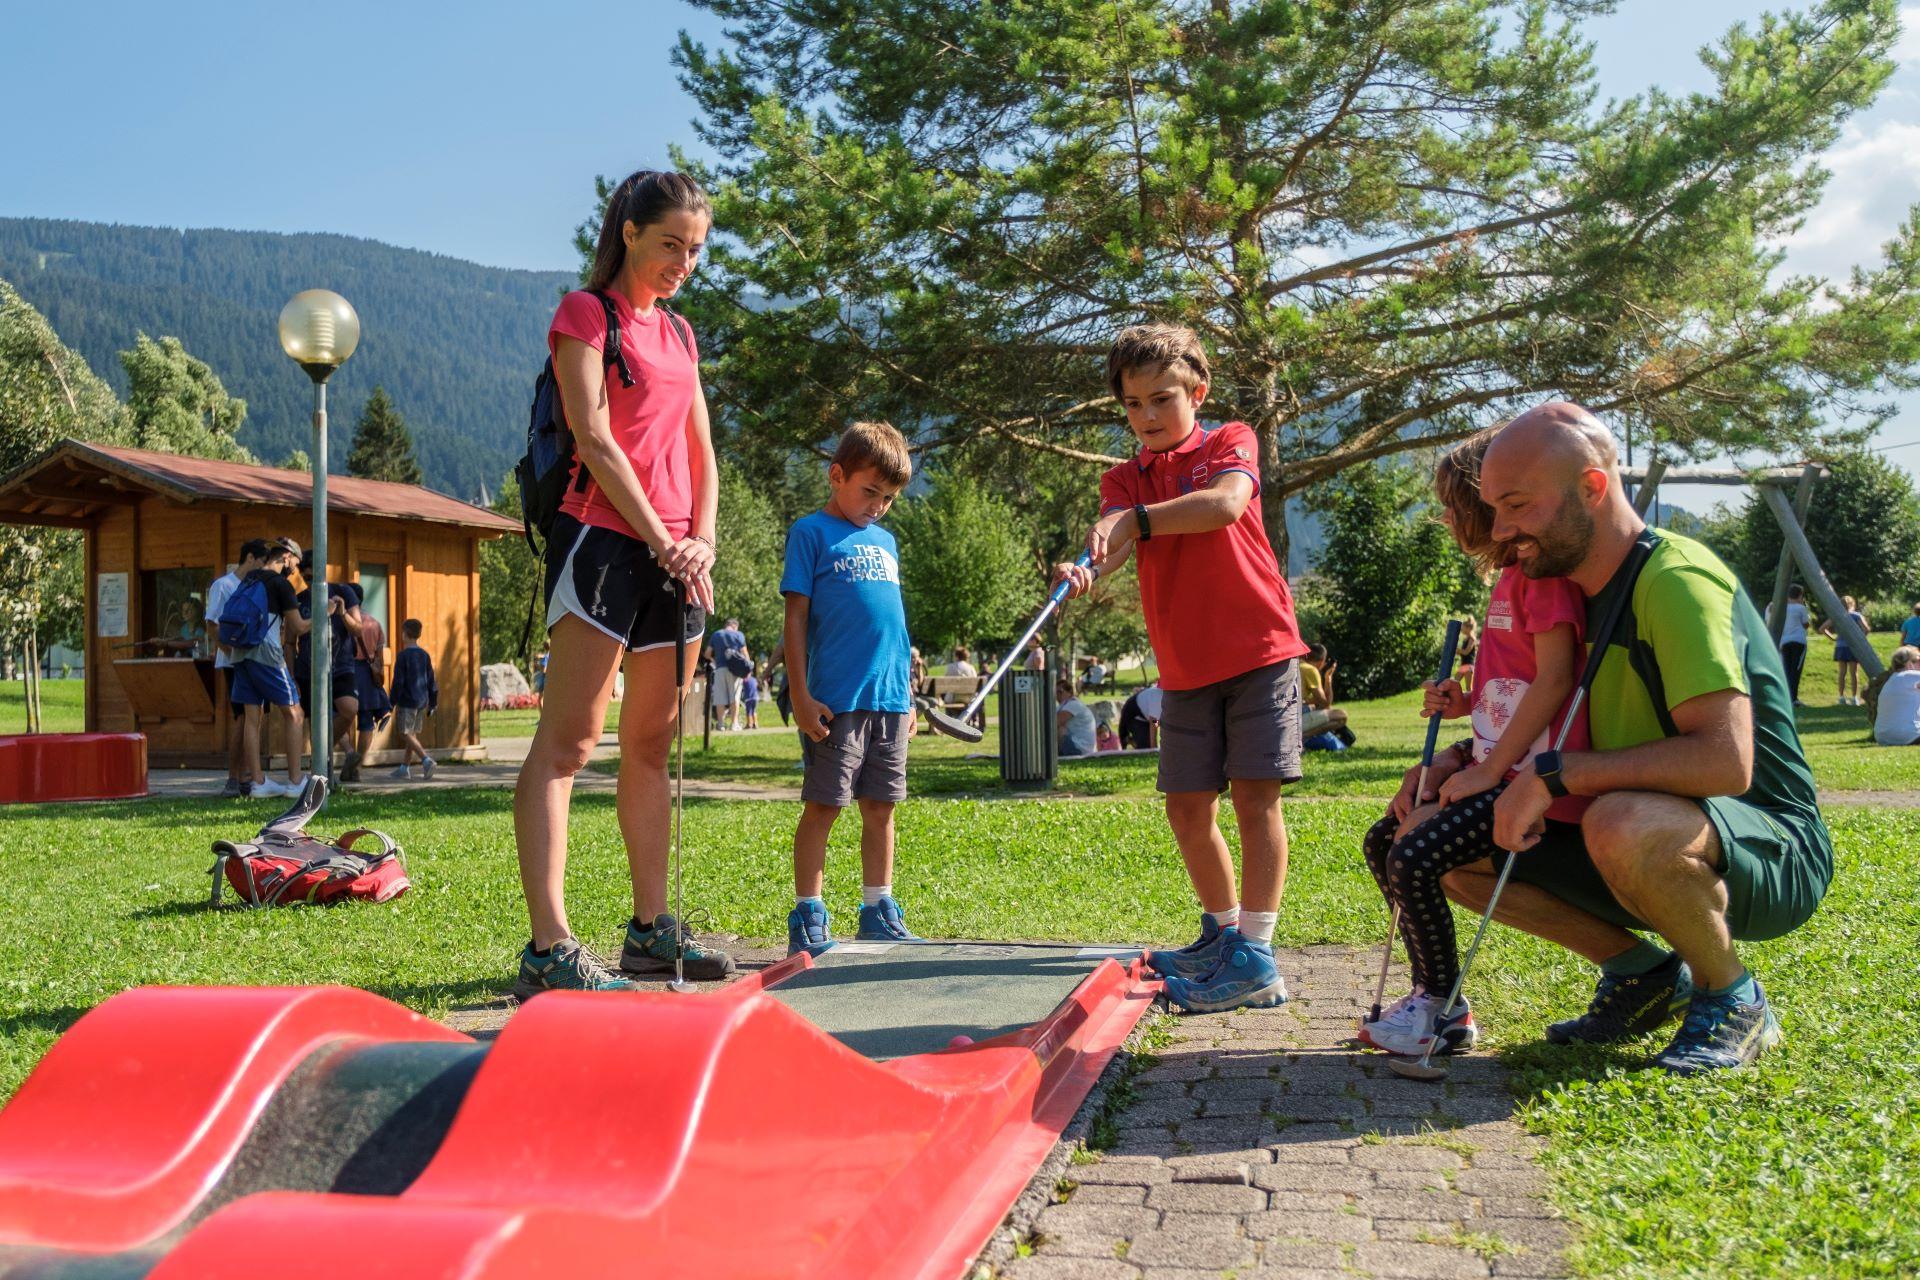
column 1465, row 652
column 1104, row 737
column 1910, row 629
column 1846, row 664
column 192, row 630
column 239, row 770
column 1140, row 719
column 1036, row 655
column 731, row 662
column 750, row 697
column 1894, row 700
column 369, row 666
column 962, row 664
column 1793, row 639
column 540, row 671
column 416, row 695
column 916, row 670
column 1096, row 677
column 1073, row 721
column 260, row 677
column 1319, row 717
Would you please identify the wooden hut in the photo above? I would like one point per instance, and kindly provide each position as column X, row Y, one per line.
column 161, row 527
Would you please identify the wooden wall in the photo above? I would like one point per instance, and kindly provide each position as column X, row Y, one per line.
column 433, row 576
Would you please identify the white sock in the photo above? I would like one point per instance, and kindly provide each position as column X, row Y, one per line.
column 870, row 894
column 1257, row 926
column 810, row 902
column 1224, row 919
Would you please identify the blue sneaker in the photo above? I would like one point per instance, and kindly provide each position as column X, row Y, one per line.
column 1244, row 978
column 1195, row 960
column 807, row 929
column 1720, row 1033
column 1625, row 1006
column 567, row 967
column 882, row 922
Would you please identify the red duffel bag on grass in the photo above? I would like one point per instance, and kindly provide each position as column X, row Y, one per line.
column 284, row 865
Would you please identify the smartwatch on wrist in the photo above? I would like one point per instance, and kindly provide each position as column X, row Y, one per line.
column 1143, row 527
column 1546, row 767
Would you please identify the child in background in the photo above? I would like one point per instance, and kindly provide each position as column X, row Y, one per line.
column 416, row 694
column 848, row 664
column 750, row 696
column 1526, row 667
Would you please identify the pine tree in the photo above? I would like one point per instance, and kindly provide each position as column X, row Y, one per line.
column 382, row 448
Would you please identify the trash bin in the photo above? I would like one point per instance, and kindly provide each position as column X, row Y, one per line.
column 1028, row 750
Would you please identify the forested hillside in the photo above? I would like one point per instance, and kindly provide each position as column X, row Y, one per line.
column 455, row 344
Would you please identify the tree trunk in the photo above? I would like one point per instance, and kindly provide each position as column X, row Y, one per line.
column 1273, row 507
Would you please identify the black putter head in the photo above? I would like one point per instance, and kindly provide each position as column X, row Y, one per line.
column 954, row 727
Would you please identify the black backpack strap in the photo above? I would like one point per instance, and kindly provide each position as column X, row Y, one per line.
column 681, row 329
column 614, row 353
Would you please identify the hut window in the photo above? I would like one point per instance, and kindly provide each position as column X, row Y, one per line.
column 173, row 606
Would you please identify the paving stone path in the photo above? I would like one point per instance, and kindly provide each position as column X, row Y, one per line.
column 1261, row 1144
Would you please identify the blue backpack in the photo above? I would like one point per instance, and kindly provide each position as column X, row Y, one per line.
column 245, row 619
column 548, row 463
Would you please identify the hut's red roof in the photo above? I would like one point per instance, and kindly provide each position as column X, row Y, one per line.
column 189, row 480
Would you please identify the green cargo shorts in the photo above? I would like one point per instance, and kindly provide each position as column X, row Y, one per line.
column 1776, row 864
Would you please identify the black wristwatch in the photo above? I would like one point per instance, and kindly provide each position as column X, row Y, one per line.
column 1546, row 767
column 1143, row 527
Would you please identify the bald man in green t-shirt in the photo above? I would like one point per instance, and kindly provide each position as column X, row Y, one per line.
column 1705, row 828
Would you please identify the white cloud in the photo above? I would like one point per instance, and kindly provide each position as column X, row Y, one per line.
column 1876, row 179
column 1907, row 52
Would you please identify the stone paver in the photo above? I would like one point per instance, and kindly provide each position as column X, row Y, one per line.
column 1263, row 1143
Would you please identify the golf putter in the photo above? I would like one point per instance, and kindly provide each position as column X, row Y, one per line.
column 1424, row 1069
column 1447, row 649
column 961, row 726
column 679, row 983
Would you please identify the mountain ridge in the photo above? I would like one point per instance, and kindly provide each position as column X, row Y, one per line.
column 455, row 343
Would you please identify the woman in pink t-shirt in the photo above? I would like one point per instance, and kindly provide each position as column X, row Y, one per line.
column 1524, row 675
column 634, row 537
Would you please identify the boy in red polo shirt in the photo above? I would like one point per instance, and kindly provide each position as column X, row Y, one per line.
column 1221, row 621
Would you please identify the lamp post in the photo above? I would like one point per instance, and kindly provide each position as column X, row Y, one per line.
column 319, row 330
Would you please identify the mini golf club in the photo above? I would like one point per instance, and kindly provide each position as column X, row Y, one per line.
column 1423, row 1068
column 961, row 726
column 680, row 984
column 1447, row 649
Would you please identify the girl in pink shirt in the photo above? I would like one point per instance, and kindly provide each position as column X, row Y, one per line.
column 1524, row 674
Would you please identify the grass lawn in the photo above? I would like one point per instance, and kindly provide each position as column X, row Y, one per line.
column 63, row 707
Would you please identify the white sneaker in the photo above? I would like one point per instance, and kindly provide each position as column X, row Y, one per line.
column 1414, row 1029
column 426, row 767
column 401, row 773
column 275, row 787
column 1404, row 1018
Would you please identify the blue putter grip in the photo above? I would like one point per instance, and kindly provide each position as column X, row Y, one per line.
column 1066, row 584
column 1447, row 648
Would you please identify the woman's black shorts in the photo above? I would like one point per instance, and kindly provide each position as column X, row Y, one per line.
column 615, row 585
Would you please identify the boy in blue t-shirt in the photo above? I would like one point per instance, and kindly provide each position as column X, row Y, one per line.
column 847, row 660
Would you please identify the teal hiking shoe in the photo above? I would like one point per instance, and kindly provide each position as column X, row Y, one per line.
column 1245, row 978
column 807, row 929
column 1627, row 1006
column 882, row 922
column 1195, row 960
column 568, row 967
column 1720, row 1033
column 652, row 949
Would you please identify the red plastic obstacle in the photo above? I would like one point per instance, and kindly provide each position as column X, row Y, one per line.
column 603, row 1128
column 134, row 1113
column 72, row 766
column 658, row 1114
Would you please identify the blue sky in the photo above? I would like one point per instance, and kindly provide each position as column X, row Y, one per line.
column 476, row 131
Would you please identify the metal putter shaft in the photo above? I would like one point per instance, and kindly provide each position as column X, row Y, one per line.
column 1424, row 1069
column 961, row 726
column 1447, row 650
column 679, row 983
